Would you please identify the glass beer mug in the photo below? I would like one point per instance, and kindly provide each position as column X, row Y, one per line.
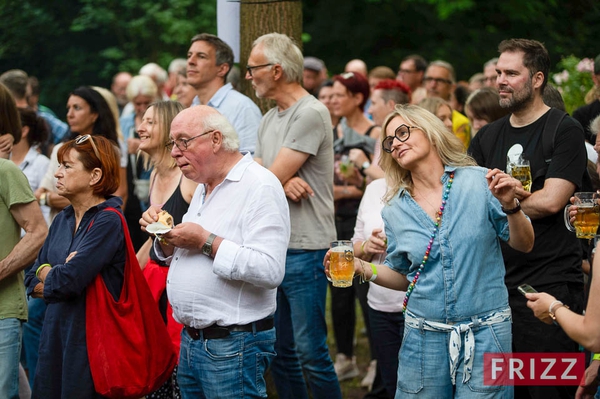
column 341, row 263
column 588, row 215
column 519, row 168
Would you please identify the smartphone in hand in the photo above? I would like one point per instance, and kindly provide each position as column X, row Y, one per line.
column 526, row 289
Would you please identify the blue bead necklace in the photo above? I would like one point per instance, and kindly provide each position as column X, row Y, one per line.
column 438, row 220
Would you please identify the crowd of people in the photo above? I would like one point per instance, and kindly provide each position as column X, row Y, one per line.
column 409, row 165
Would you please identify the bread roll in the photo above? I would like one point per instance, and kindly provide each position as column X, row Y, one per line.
column 165, row 218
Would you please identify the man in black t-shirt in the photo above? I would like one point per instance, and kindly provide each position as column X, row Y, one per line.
column 554, row 264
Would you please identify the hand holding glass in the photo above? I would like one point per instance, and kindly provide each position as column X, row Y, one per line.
column 588, row 215
column 341, row 263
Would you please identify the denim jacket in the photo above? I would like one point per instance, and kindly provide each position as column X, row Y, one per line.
column 464, row 275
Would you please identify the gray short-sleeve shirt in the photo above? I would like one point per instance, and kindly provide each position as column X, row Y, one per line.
column 305, row 127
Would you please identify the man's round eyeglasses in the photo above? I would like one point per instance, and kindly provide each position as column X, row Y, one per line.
column 250, row 68
column 182, row 144
column 402, row 133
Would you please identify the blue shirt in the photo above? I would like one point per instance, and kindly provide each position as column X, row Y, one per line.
column 240, row 111
column 58, row 128
column 464, row 275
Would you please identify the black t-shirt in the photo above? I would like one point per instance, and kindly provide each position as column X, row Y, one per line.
column 585, row 115
column 556, row 255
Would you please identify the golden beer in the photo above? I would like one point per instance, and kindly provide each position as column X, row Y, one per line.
column 587, row 220
column 523, row 174
column 341, row 266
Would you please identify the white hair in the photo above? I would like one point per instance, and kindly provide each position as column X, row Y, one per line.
column 156, row 72
column 177, row 65
column 217, row 121
column 281, row 49
column 141, row 85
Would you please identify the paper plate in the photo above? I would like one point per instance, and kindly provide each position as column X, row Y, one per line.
column 157, row 228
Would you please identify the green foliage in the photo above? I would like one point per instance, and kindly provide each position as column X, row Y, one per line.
column 574, row 81
column 67, row 43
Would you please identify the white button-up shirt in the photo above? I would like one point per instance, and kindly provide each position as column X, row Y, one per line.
column 249, row 211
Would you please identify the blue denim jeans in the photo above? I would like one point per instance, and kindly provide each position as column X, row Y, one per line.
column 10, row 353
column 32, row 331
column 301, row 330
column 226, row 368
column 424, row 369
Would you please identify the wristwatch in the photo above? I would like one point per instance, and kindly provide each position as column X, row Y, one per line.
column 514, row 210
column 207, row 247
column 553, row 310
column 43, row 199
column 365, row 165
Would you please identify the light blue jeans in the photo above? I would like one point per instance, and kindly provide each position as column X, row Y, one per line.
column 226, row 368
column 424, row 369
column 10, row 353
column 302, row 331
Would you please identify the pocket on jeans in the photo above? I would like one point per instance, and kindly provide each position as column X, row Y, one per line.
column 410, row 366
column 494, row 338
column 223, row 349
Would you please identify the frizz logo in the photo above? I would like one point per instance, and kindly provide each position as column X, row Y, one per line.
column 533, row 368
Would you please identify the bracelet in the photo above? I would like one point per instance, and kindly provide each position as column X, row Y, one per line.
column 374, row 272
column 363, row 275
column 551, row 308
column 37, row 272
column 362, row 246
column 596, row 356
column 552, row 305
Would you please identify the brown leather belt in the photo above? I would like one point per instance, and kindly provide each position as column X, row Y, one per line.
column 216, row 332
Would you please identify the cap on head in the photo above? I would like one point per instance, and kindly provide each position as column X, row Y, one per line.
column 314, row 64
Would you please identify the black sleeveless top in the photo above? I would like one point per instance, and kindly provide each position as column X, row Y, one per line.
column 177, row 207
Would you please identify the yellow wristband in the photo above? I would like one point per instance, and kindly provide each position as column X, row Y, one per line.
column 596, row 356
column 37, row 272
column 374, row 270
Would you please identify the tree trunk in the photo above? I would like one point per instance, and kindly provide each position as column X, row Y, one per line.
column 259, row 17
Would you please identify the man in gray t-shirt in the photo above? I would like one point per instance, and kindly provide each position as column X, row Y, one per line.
column 295, row 142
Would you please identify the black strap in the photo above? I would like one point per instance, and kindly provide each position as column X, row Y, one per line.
column 555, row 117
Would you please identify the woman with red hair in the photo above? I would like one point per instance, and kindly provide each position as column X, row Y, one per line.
column 75, row 252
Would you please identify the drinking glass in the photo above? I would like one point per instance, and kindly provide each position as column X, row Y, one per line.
column 341, row 263
column 587, row 219
column 520, row 169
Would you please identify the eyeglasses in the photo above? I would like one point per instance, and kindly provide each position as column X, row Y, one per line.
column 83, row 139
column 437, row 80
column 251, row 68
column 182, row 144
column 402, row 133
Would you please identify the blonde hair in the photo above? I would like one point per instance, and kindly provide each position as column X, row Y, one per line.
column 447, row 146
column 164, row 113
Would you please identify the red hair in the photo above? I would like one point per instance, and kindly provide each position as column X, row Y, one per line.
column 355, row 83
column 393, row 84
column 109, row 161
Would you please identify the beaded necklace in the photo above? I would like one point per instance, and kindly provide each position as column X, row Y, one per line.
column 437, row 222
